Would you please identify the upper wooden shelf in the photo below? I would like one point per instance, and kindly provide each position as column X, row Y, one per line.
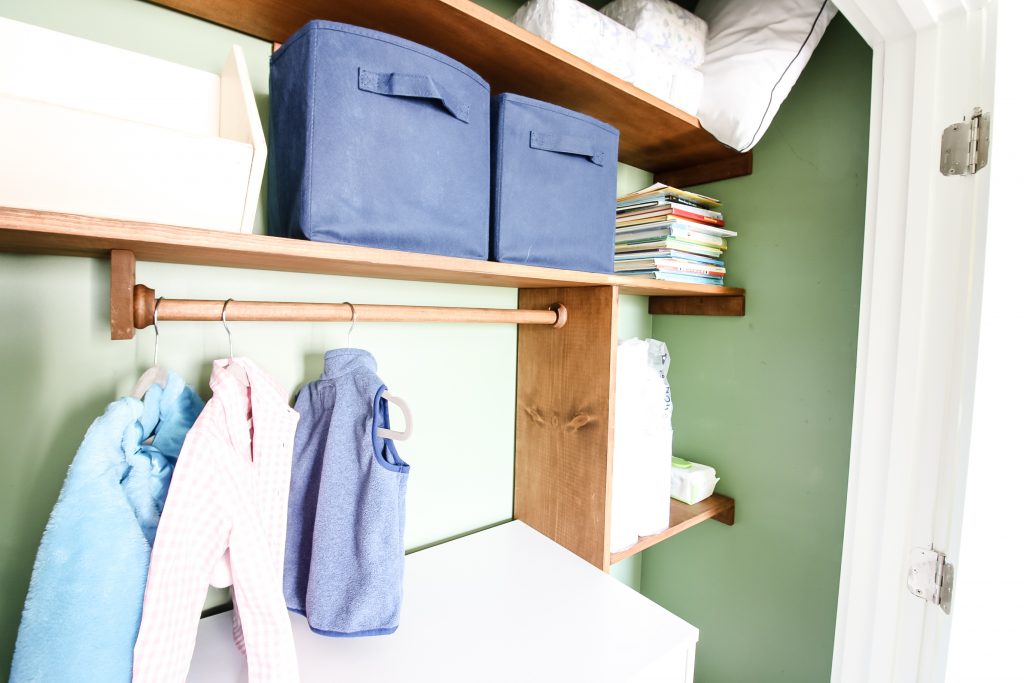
column 25, row 230
column 655, row 136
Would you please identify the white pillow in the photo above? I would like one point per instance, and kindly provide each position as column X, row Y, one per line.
column 755, row 52
column 665, row 26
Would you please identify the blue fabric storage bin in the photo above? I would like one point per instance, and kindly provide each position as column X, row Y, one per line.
column 378, row 141
column 553, row 186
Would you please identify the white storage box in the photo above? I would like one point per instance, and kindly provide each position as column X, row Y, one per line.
column 691, row 481
column 95, row 130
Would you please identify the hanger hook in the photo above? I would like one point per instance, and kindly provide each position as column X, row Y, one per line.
column 156, row 332
column 224, row 322
column 352, row 325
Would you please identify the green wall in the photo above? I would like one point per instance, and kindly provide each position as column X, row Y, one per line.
column 767, row 399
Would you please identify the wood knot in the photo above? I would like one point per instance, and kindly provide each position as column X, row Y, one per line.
column 579, row 422
column 535, row 415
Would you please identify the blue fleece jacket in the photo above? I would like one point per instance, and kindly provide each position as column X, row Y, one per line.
column 345, row 549
column 84, row 602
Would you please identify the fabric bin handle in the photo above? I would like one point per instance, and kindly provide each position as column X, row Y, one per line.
column 566, row 144
column 411, row 85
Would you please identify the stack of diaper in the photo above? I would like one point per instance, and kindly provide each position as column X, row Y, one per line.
column 654, row 44
column 669, row 49
column 642, row 469
column 583, row 31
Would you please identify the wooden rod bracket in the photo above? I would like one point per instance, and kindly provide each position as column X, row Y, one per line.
column 697, row 305
column 122, row 294
column 562, row 314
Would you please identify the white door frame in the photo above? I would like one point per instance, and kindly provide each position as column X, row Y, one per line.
column 917, row 345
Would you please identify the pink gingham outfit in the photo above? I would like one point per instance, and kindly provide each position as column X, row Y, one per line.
column 229, row 493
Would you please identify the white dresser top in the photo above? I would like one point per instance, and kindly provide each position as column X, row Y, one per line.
column 505, row 604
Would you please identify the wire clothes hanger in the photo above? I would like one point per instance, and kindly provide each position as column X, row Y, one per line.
column 352, row 325
column 384, row 432
column 232, row 367
column 155, row 374
column 156, row 333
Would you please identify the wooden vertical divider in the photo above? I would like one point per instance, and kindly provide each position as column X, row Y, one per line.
column 122, row 294
column 564, row 419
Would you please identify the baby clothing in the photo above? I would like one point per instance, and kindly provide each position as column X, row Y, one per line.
column 229, row 493
column 345, row 554
column 84, row 602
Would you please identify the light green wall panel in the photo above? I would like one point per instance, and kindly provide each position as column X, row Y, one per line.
column 767, row 399
column 629, row 571
column 634, row 320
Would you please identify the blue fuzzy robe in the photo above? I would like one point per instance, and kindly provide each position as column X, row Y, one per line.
column 84, row 603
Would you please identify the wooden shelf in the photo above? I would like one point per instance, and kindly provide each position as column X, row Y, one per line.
column 655, row 136
column 682, row 517
column 25, row 230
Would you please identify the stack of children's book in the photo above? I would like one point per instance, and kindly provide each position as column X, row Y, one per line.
column 670, row 234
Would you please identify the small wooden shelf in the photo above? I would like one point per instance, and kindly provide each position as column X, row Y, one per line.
column 25, row 230
column 681, row 518
column 655, row 136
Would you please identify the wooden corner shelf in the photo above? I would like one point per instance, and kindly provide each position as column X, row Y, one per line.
column 681, row 518
column 654, row 135
column 44, row 232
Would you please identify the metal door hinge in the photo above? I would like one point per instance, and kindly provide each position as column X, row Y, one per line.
column 931, row 577
column 965, row 145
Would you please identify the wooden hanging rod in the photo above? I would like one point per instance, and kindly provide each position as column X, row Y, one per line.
column 132, row 307
column 288, row 311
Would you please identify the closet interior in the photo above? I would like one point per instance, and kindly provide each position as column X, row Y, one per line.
column 568, row 320
column 557, row 421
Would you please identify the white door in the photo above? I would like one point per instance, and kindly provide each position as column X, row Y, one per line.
column 920, row 311
column 987, row 626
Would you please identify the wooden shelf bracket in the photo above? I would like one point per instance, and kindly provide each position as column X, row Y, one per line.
column 698, row 305
column 699, row 173
column 682, row 517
